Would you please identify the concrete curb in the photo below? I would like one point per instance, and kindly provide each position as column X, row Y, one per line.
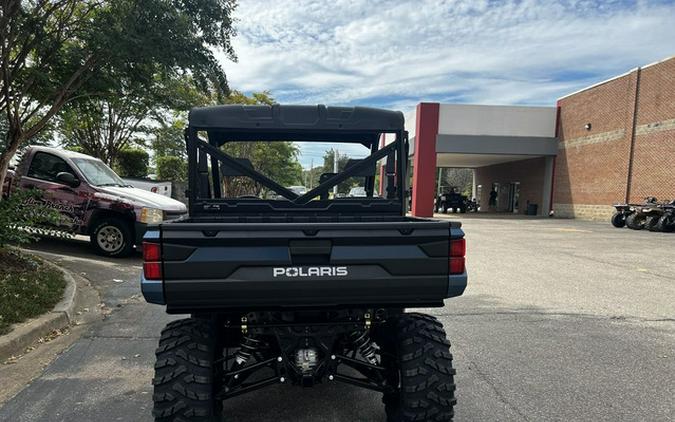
column 25, row 334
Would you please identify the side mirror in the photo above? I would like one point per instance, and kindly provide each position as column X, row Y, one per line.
column 68, row 179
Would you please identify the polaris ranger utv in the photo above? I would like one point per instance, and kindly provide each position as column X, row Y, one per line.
column 303, row 288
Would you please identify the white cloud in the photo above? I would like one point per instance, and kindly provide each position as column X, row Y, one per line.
column 395, row 54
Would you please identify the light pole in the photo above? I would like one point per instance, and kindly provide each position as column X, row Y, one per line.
column 336, row 154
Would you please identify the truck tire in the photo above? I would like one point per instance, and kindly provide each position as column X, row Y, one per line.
column 636, row 221
column 426, row 387
column 112, row 237
column 619, row 220
column 185, row 373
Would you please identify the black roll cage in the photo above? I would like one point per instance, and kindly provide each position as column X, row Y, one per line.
column 205, row 197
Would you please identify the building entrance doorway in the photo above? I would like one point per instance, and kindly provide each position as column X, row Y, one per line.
column 514, row 196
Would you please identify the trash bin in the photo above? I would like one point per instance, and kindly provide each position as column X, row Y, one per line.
column 531, row 209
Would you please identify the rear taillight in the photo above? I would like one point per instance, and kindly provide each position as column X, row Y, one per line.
column 152, row 265
column 456, row 259
column 458, row 247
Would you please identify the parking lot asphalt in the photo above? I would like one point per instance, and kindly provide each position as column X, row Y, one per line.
column 562, row 320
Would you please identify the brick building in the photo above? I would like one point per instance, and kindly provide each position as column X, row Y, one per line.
column 608, row 143
column 616, row 143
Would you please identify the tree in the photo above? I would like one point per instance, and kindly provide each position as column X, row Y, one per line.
column 132, row 162
column 169, row 139
column 459, row 178
column 105, row 125
column 56, row 51
column 277, row 160
column 171, row 168
column 328, row 167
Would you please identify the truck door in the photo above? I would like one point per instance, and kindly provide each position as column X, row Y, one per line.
column 67, row 200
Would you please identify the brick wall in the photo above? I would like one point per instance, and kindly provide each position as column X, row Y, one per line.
column 530, row 174
column 595, row 168
column 653, row 171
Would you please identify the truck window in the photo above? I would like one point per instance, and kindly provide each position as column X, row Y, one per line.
column 46, row 166
column 97, row 173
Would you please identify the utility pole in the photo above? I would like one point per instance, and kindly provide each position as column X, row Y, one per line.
column 440, row 180
column 336, row 155
column 311, row 174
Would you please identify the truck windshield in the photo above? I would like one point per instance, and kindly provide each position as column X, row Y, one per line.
column 97, row 173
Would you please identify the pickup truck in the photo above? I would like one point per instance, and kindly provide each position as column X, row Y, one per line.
column 93, row 200
column 303, row 288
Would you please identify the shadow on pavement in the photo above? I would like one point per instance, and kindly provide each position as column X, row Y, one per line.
column 78, row 247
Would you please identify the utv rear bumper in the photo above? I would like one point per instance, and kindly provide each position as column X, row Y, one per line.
column 153, row 291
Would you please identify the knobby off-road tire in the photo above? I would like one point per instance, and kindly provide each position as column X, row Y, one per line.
column 185, row 374
column 636, row 221
column 665, row 224
column 652, row 223
column 619, row 220
column 426, row 377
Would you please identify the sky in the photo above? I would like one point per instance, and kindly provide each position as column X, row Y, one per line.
column 394, row 54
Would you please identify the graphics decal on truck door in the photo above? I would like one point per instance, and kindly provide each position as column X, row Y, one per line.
column 59, row 192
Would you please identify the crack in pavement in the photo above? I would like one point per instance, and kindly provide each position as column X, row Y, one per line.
column 616, row 265
column 492, row 384
column 554, row 314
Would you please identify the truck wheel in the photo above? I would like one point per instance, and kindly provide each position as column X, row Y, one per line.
column 618, row 220
column 112, row 237
column 636, row 221
column 185, row 373
column 426, row 387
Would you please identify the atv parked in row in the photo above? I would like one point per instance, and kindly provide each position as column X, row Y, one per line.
column 651, row 215
column 660, row 218
column 304, row 288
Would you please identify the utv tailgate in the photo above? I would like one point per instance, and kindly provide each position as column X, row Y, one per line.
column 271, row 265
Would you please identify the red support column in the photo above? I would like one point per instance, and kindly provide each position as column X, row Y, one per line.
column 424, row 161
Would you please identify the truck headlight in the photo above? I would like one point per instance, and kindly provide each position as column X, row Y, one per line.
column 151, row 216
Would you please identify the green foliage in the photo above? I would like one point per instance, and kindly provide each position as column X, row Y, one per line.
column 169, row 141
column 28, row 288
column 112, row 62
column 132, row 162
column 276, row 160
column 43, row 138
column 24, row 218
column 328, row 160
column 171, row 168
column 457, row 177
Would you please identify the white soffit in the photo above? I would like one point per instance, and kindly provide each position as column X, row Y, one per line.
column 468, row 119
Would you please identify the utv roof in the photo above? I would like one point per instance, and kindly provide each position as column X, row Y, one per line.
column 296, row 118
